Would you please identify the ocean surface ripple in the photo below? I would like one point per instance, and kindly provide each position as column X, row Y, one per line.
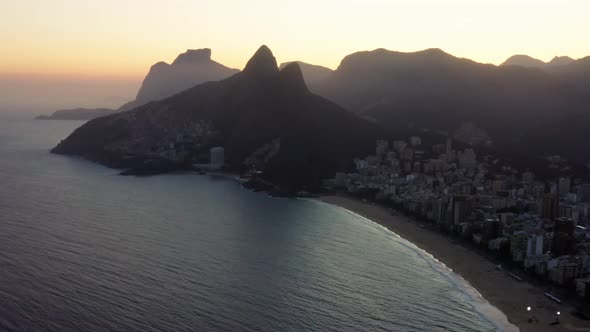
column 83, row 249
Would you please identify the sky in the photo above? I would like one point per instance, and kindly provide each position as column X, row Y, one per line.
column 117, row 41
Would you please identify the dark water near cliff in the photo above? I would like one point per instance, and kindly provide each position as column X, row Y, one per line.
column 82, row 249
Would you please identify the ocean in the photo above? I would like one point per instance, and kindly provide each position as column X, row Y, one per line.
column 84, row 249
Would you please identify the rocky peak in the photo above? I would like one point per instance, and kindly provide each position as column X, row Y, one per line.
column 292, row 77
column 434, row 52
column 193, row 56
column 262, row 63
column 523, row 61
column 560, row 61
column 158, row 67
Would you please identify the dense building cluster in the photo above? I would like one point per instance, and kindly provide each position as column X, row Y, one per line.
column 175, row 146
column 540, row 225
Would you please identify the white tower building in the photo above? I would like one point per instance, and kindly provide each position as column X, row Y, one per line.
column 217, row 158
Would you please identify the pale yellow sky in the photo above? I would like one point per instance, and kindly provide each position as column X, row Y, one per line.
column 122, row 38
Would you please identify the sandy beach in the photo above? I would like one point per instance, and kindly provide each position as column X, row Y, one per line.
column 504, row 292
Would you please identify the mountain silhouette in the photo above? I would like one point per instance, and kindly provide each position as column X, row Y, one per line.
column 261, row 113
column 311, row 73
column 530, row 62
column 77, row 114
column 189, row 69
column 523, row 110
column 560, row 61
column 576, row 73
column 523, row 61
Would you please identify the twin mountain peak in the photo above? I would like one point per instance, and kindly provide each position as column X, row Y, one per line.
column 195, row 67
column 263, row 117
column 515, row 107
column 263, row 65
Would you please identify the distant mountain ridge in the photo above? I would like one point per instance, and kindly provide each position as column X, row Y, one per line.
column 263, row 117
column 77, row 114
column 522, row 109
column 528, row 61
column 575, row 73
column 190, row 68
column 523, row 61
column 311, row 73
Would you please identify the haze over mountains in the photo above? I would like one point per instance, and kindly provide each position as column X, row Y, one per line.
column 29, row 95
column 576, row 73
column 522, row 106
column 77, row 114
column 262, row 116
column 520, row 109
column 311, row 73
column 163, row 80
column 189, row 69
column 528, row 61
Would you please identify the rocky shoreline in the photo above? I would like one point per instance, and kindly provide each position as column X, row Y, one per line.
column 149, row 166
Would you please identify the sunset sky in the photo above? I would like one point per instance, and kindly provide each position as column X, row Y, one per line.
column 113, row 38
column 71, row 53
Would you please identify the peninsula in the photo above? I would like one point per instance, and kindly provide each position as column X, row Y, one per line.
column 81, row 114
column 266, row 121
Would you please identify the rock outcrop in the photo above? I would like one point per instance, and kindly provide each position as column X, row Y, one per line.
column 189, row 69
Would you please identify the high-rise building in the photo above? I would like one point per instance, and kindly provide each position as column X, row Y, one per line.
column 498, row 185
column 566, row 211
column 340, row 180
column 518, row 246
column 490, row 229
column 582, row 287
column 563, row 236
column 459, row 210
column 565, row 270
column 440, row 212
column 534, row 245
column 399, row 146
column 564, row 225
column 564, row 186
column 550, row 206
column 528, row 177
column 449, row 145
column 217, row 158
column 506, row 218
column 382, row 147
column 439, row 149
column 467, row 159
column 553, row 188
column 584, row 193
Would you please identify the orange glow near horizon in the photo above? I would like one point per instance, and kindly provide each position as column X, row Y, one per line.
column 122, row 39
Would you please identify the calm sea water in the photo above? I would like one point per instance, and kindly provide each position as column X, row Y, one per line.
column 83, row 249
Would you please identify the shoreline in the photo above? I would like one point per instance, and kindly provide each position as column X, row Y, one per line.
column 469, row 267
